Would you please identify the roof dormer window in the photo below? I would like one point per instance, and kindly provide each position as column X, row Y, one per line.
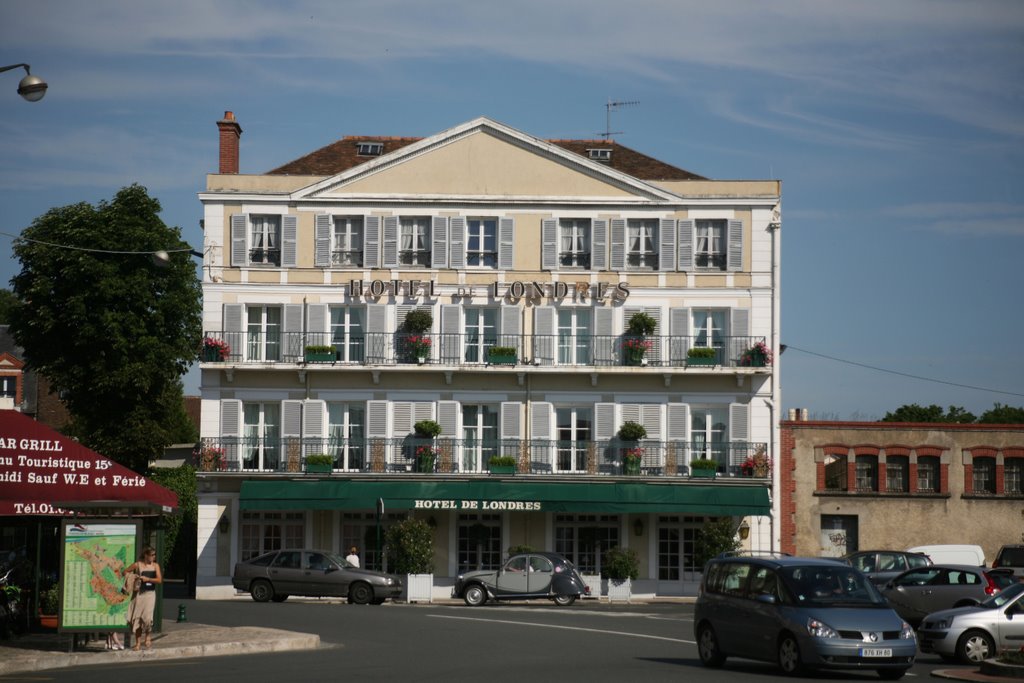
column 370, row 149
column 600, row 154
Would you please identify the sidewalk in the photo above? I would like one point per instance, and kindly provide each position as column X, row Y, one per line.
column 41, row 651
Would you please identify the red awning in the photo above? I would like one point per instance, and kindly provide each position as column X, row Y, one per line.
column 43, row 472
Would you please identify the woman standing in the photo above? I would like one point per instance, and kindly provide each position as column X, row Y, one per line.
column 140, row 613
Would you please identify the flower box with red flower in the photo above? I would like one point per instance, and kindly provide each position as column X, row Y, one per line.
column 757, row 356
column 631, row 459
column 211, row 459
column 215, row 350
column 417, row 346
column 426, row 458
column 757, row 465
column 635, row 349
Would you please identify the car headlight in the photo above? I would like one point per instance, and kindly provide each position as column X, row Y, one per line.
column 820, row 629
column 907, row 633
column 941, row 624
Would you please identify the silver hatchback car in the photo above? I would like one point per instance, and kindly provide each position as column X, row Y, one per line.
column 974, row 634
column 802, row 613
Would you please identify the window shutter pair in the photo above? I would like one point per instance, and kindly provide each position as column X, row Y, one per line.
column 240, row 240
column 734, row 245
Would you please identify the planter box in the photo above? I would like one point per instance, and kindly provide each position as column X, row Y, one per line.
column 636, row 359
column 702, row 473
column 320, row 356
column 501, row 359
column 502, row 469
column 48, row 620
column 211, row 356
column 619, row 591
column 631, row 468
column 702, row 361
column 418, row 588
column 318, row 468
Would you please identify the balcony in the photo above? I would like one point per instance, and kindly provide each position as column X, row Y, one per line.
column 397, row 456
column 452, row 351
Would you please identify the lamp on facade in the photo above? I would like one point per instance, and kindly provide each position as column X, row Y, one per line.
column 224, row 524
column 32, row 88
column 743, row 530
column 638, row 526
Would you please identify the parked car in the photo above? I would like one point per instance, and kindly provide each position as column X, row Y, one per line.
column 882, row 565
column 1010, row 557
column 316, row 573
column 523, row 576
column 802, row 613
column 973, row 555
column 973, row 634
column 918, row 592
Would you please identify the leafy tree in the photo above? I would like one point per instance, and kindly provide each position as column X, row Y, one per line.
column 716, row 537
column 1002, row 415
column 933, row 413
column 410, row 547
column 110, row 330
column 7, row 301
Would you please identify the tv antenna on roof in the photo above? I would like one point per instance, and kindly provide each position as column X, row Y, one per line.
column 614, row 104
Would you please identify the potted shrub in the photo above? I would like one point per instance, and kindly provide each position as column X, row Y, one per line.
column 319, row 353
column 757, row 356
column 702, row 355
column 502, row 464
column 416, row 326
column 501, row 355
column 631, row 459
column 320, row 462
column 424, row 453
column 215, row 350
column 635, row 350
column 418, row 322
column 620, row 566
column 49, row 606
column 640, row 324
column 410, row 548
column 632, row 431
column 417, row 346
column 757, row 465
column 426, row 429
column 704, row 467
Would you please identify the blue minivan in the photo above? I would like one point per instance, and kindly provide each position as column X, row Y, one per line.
column 801, row 613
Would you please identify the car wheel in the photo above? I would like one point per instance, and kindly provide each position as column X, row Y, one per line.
column 975, row 647
column 789, row 655
column 279, row 597
column 966, row 602
column 360, row 593
column 891, row 674
column 475, row 595
column 261, row 590
column 707, row 647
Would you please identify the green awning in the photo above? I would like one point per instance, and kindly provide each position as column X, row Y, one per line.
column 496, row 496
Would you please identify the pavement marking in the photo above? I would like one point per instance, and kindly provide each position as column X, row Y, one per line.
column 564, row 628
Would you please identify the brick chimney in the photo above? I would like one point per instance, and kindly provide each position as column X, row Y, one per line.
column 230, row 131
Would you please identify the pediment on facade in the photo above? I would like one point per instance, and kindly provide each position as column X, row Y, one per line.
column 7, row 361
column 484, row 160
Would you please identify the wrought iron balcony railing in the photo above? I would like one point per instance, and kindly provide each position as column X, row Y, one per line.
column 470, row 456
column 455, row 350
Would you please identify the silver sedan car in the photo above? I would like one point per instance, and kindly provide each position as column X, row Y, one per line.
column 973, row 634
column 317, row 573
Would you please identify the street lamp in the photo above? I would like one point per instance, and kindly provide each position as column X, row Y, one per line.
column 32, row 88
column 162, row 257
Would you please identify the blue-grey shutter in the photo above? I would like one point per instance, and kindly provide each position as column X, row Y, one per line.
column 618, row 260
column 677, row 424
column 599, row 245
column 318, row 325
column 377, row 419
column 604, row 421
column 293, row 342
column 544, row 335
column 322, row 239
column 651, row 417
column 679, row 335
column 686, row 245
column 289, row 241
column 451, row 337
column 390, row 245
column 739, row 433
column 506, row 243
column 605, row 344
column 667, row 245
column 423, row 410
column 549, row 244
column 448, row 414
column 457, row 235
column 314, row 427
column 739, row 333
column 291, row 419
column 239, row 237
column 378, row 347
column 511, row 420
column 401, row 418
column 371, row 242
column 543, row 445
column 657, row 351
column 512, row 328
column 629, row 412
column 735, row 252
column 231, row 431
column 439, row 239
column 234, row 330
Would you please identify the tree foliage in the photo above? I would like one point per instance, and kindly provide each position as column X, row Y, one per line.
column 112, row 332
column 716, row 537
column 178, row 552
column 932, row 413
column 1002, row 415
column 410, row 547
column 7, row 302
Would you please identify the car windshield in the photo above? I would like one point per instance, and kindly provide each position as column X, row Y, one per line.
column 338, row 560
column 826, row 585
column 1004, row 596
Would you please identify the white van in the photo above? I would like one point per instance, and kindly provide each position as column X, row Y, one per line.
column 953, row 554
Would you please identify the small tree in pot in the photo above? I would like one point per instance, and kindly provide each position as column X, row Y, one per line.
column 411, row 552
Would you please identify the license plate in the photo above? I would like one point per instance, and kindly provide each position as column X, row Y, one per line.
column 875, row 652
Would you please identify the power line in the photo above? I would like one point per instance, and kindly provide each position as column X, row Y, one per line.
column 901, row 374
column 148, row 252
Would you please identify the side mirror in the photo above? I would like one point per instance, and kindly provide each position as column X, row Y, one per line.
column 766, row 598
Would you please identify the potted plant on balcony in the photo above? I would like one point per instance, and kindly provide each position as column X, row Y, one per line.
column 416, row 326
column 211, row 459
column 757, row 465
column 620, row 566
column 635, row 350
column 502, row 464
column 322, row 463
column 215, row 350
column 319, row 353
column 418, row 347
column 410, row 547
column 757, row 356
column 630, row 433
column 425, row 454
column 702, row 355
column 704, row 467
column 501, row 355
column 49, row 606
column 640, row 324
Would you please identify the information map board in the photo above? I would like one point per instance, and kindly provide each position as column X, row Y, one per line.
column 94, row 554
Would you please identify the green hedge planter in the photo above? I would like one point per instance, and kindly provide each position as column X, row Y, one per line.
column 319, row 468
column 703, row 474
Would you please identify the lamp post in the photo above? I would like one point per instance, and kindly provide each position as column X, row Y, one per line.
column 32, row 88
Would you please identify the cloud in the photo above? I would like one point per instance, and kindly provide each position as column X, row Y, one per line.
column 962, row 219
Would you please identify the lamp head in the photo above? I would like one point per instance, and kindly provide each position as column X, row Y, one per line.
column 32, row 88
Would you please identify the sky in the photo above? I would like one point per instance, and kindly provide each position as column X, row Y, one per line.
column 896, row 128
